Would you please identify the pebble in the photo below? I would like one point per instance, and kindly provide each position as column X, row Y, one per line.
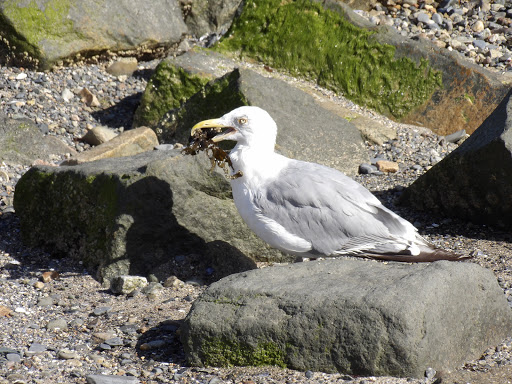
column 57, row 325
column 111, row 379
column 482, row 37
column 13, row 357
column 66, row 354
column 99, row 311
column 36, row 348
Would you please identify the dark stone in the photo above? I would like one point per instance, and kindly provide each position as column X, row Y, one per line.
column 474, row 182
column 134, row 215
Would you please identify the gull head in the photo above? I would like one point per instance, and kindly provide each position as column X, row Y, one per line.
column 251, row 126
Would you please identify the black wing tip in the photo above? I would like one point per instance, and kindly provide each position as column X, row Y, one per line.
column 436, row 254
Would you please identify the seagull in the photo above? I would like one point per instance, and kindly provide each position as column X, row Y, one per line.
column 306, row 209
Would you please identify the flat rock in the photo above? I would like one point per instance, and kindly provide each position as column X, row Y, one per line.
column 353, row 316
column 128, row 143
column 111, row 379
column 474, row 182
column 21, row 142
column 89, row 26
column 134, row 215
column 98, row 135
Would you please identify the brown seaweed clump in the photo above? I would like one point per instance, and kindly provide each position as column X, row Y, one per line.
column 202, row 141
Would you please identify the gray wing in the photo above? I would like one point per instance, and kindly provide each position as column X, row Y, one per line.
column 332, row 211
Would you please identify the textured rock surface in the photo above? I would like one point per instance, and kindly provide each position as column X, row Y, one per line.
column 133, row 215
column 22, row 142
column 52, row 30
column 353, row 316
column 473, row 182
column 307, row 130
column 469, row 92
column 175, row 80
column 207, row 16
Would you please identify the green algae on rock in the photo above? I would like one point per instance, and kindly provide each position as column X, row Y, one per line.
column 214, row 99
column 46, row 32
column 167, row 89
column 331, row 51
column 218, row 352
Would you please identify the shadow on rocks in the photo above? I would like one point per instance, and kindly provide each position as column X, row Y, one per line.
column 120, row 114
column 143, row 74
column 162, row 343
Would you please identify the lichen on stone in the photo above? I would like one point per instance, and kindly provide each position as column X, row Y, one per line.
column 215, row 99
column 36, row 22
column 303, row 38
column 167, row 89
column 219, row 352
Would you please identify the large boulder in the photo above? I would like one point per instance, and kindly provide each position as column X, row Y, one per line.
column 138, row 215
column 412, row 81
column 353, row 316
column 307, row 129
column 21, row 142
column 51, row 30
column 474, row 182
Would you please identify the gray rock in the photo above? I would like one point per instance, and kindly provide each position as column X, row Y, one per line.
column 36, row 348
column 45, row 302
column 367, row 169
column 114, row 342
column 21, row 142
column 354, row 316
column 111, row 379
column 456, row 136
column 88, row 26
column 474, row 182
column 13, row 357
column 99, row 311
column 207, row 16
column 126, row 284
column 423, row 18
column 437, row 18
column 135, row 214
column 57, row 325
column 306, row 131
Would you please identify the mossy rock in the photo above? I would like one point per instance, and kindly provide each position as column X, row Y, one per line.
column 411, row 81
column 44, row 32
column 133, row 215
column 356, row 317
column 175, row 80
column 167, row 89
column 307, row 130
column 333, row 52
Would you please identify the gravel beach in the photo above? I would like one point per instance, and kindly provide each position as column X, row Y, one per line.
column 59, row 325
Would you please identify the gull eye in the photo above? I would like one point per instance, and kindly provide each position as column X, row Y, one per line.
column 242, row 120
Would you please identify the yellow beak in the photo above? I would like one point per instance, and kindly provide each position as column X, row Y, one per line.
column 212, row 124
